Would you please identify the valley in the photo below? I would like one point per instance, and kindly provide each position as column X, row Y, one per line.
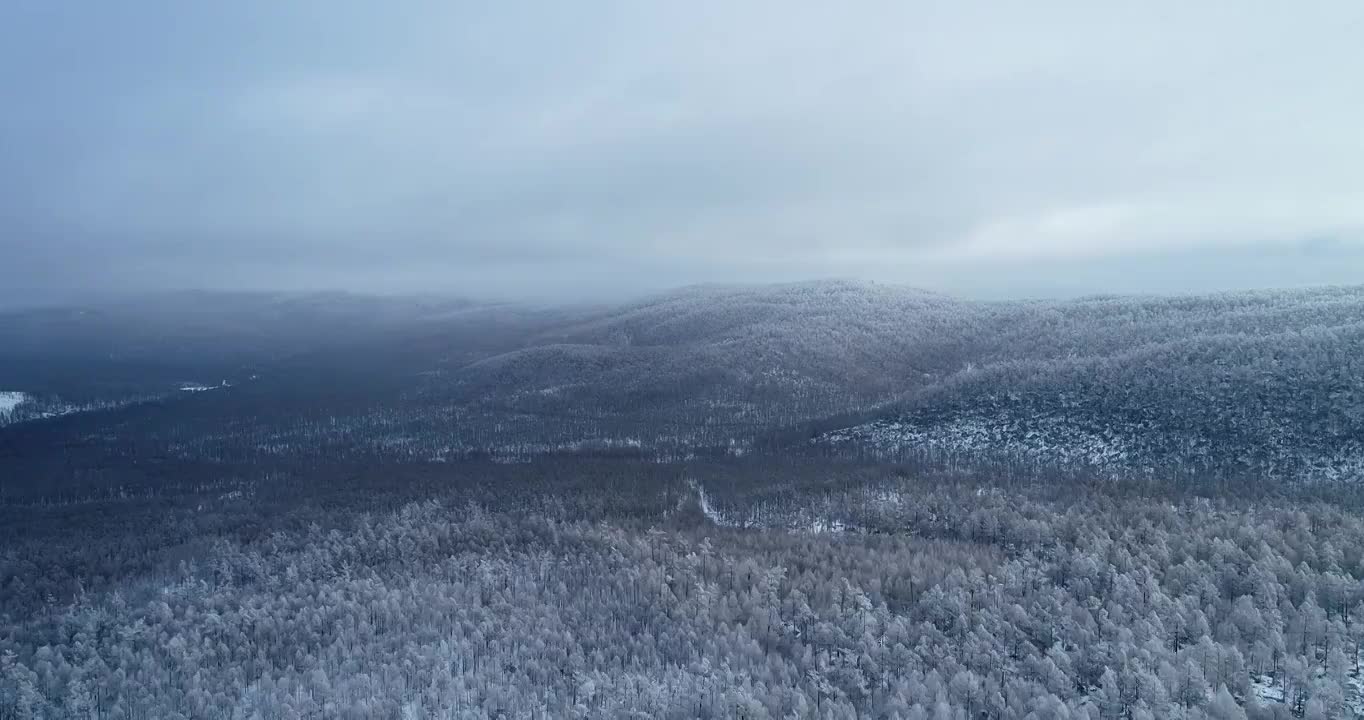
column 823, row 499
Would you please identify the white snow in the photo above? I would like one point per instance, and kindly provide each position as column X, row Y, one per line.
column 709, row 510
column 52, row 407
column 1117, row 448
column 10, row 400
column 1356, row 697
column 195, row 387
column 803, row 522
column 822, row 525
column 1266, row 689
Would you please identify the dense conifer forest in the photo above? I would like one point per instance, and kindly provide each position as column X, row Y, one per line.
column 814, row 500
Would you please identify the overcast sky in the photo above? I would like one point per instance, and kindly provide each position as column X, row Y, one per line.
column 582, row 149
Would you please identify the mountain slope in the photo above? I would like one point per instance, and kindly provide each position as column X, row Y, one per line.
column 1256, row 384
column 1265, row 384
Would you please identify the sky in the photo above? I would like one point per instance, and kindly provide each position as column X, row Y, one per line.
column 589, row 149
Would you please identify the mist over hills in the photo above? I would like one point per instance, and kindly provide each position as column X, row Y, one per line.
column 1260, row 383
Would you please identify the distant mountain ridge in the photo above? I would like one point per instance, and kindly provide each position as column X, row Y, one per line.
column 1260, row 383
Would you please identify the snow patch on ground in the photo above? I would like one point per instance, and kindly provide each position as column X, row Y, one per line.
column 710, row 511
column 26, row 408
column 823, row 525
column 195, row 387
column 813, row 522
column 1266, row 689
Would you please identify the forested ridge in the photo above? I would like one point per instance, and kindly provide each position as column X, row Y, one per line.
column 1288, row 405
column 814, row 500
column 1239, row 384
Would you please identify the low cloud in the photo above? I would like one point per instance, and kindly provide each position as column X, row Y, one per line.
column 532, row 148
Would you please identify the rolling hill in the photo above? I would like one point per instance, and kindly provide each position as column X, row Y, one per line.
column 1265, row 383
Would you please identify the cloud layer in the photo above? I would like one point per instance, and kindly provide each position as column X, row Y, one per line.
column 582, row 148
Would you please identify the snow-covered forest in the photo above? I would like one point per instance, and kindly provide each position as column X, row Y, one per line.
column 812, row 500
column 1233, row 386
column 681, row 360
column 536, row 597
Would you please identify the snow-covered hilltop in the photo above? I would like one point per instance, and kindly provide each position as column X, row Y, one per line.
column 1282, row 398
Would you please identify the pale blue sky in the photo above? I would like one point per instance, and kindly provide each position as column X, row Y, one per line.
column 585, row 149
